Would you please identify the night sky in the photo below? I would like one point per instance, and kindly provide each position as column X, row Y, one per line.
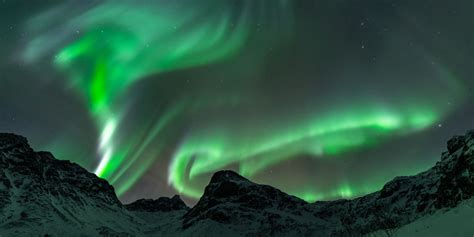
column 321, row 99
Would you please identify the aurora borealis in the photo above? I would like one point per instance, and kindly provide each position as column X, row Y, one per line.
column 321, row 99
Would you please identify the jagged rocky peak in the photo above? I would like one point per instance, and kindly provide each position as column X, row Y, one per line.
column 41, row 173
column 232, row 199
column 226, row 176
column 455, row 143
column 458, row 161
column 456, row 171
column 227, row 185
column 10, row 140
column 162, row 204
column 452, row 178
column 465, row 142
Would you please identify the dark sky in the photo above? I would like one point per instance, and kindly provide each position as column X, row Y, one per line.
column 322, row 99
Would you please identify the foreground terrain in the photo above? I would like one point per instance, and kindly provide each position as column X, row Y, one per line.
column 43, row 196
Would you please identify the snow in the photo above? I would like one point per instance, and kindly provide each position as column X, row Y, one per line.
column 456, row 222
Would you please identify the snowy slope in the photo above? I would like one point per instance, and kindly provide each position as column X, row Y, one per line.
column 455, row 222
column 40, row 196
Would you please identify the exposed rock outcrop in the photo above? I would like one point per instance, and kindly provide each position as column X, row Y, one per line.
column 162, row 204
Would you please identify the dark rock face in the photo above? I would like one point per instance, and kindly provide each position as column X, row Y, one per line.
column 162, row 204
column 46, row 174
column 455, row 143
column 9, row 141
column 234, row 200
column 35, row 188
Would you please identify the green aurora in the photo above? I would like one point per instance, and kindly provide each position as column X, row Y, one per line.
column 110, row 47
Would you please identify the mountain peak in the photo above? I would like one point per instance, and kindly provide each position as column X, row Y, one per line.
column 459, row 147
column 10, row 140
column 455, row 143
column 232, row 199
column 36, row 186
column 226, row 176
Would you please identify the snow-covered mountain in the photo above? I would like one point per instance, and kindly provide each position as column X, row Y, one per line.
column 42, row 196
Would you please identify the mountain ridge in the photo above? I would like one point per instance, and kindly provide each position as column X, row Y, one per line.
column 40, row 195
